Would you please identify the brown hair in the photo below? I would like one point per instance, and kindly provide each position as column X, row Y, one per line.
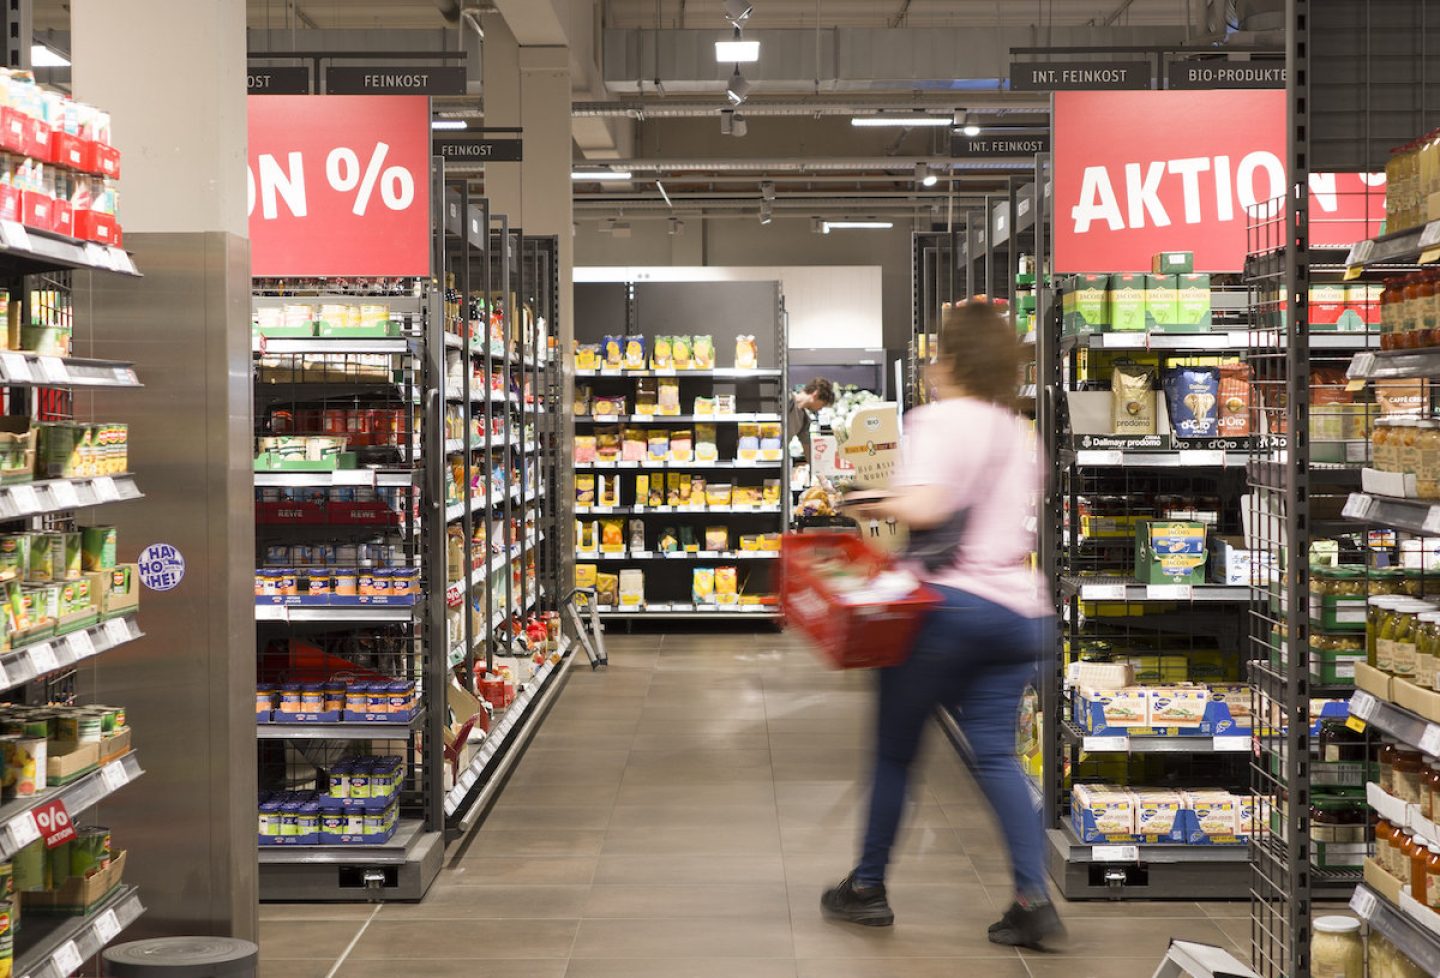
column 982, row 351
column 822, row 388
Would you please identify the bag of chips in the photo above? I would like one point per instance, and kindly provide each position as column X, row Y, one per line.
column 702, row 588
column 717, row 538
column 613, row 351
column 634, row 353
column 703, row 353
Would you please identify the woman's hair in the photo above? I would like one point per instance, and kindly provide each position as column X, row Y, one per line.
column 981, row 350
column 822, row 388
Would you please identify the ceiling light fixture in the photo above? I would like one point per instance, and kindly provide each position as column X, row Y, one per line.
column 738, row 88
column 924, row 177
column 965, row 124
column 767, row 212
column 448, row 124
column 661, row 187
column 737, row 50
column 899, row 119
column 600, row 175
column 43, row 56
column 738, row 12
column 829, row 226
column 677, row 227
column 767, row 189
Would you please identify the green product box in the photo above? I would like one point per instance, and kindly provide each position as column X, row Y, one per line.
column 1170, row 552
column 15, row 553
column 1173, row 263
column 1086, row 297
column 97, row 548
column 1162, row 301
column 1126, row 303
column 1334, row 666
column 1193, row 312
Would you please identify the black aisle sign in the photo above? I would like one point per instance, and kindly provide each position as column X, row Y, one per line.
column 1000, row 145
column 278, row 81
column 1066, row 76
column 479, row 149
column 1227, row 74
column 395, row 80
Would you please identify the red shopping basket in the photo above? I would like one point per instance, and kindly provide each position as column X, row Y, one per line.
column 848, row 636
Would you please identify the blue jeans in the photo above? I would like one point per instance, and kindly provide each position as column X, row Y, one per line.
column 976, row 658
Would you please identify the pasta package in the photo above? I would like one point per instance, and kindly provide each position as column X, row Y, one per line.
column 703, row 352
column 609, row 491
column 585, row 535
column 660, row 356
column 607, row 445
column 659, row 442
column 1132, row 400
column 746, row 353
column 748, row 447
column 647, row 397
column 634, row 353
column 587, row 356
column 697, row 492
column 771, row 448
column 668, row 403
column 669, row 541
column 636, row 445
column 632, row 588
column 607, row 589
column 584, row 449
column 613, row 352
column 605, row 405
column 719, row 494
column 642, row 490
column 727, row 585
column 725, row 404
column 584, row 490
column 706, row 448
column 672, row 484
column 702, row 586
column 582, row 400
column 687, row 487
column 704, row 406
column 682, row 446
column 771, row 492
column 585, row 575
column 680, row 352
column 612, row 536
column 688, row 543
column 657, row 494
column 717, row 538
column 1192, row 395
column 1234, row 400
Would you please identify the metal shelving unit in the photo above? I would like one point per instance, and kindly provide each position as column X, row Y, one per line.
column 722, row 311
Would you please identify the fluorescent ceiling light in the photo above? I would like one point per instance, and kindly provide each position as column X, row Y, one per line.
column 737, row 51
column 914, row 119
column 447, row 124
column 738, row 88
column 599, row 174
column 829, row 226
column 45, row 57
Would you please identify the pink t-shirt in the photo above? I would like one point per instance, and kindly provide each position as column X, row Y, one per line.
column 984, row 454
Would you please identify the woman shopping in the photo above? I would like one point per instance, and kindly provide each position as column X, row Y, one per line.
column 964, row 490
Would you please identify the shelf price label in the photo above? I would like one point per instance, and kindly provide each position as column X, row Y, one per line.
column 117, row 631
column 1102, row 592
column 1430, row 740
column 1360, row 366
column 107, row 927
column 1169, row 592
column 1092, row 456
column 114, row 775
column 81, row 644
column 15, row 235
column 1362, row 901
column 1204, row 457
column 53, row 369
column 17, row 368
column 42, row 657
column 64, row 495
column 67, row 959
column 1362, row 705
column 1106, row 744
column 105, row 489
column 25, row 498
column 1115, row 854
column 22, row 830
column 1231, row 744
column 1357, row 507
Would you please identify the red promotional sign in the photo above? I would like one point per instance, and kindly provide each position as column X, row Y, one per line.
column 1136, row 173
column 54, row 823
column 338, row 185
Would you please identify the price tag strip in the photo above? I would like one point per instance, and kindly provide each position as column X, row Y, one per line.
column 67, row 959
column 114, row 775
column 107, row 927
column 117, row 630
column 1115, row 854
column 1362, row 705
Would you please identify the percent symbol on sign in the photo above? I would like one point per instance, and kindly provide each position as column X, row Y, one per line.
column 397, row 186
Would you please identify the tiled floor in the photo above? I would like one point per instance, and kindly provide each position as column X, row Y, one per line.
column 677, row 817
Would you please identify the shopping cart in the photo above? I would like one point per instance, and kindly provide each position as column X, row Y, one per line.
column 588, row 628
column 848, row 634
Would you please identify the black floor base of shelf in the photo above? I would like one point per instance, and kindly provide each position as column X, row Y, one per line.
column 1163, row 873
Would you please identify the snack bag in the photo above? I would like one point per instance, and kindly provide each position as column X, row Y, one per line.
column 1132, row 400
column 632, row 588
column 746, row 353
column 706, row 449
column 584, row 449
column 669, row 399
column 659, row 441
column 681, row 446
column 634, row 353
column 1193, row 396
column 680, row 352
column 703, row 352
column 613, row 352
column 584, row 490
column 727, row 587
column 647, row 397
column 635, row 447
column 717, row 538
column 1234, row 400
column 702, row 587
column 607, row 589
column 660, row 357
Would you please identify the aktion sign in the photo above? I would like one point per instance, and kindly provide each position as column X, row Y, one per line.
column 339, row 185
column 1136, row 173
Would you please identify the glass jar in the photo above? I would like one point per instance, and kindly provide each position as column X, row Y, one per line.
column 1337, row 820
column 1335, row 948
column 1382, row 455
column 1384, row 829
column 1432, row 877
column 1407, row 452
column 1338, row 743
column 1416, row 853
column 1396, row 861
column 1411, row 312
column 1387, row 318
column 1427, row 649
column 1386, row 760
column 1407, row 769
column 1430, row 788
column 1387, row 580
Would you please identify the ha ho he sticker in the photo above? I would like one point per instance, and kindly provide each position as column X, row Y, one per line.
column 162, row 567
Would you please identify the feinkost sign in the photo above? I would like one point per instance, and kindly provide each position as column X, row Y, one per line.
column 1136, row 173
column 339, row 185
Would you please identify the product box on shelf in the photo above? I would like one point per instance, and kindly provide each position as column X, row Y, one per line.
column 1193, row 312
column 1125, row 303
column 1232, row 563
column 1083, row 304
column 78, row 893
column 77, row 760
column 1162, row 302
column 1173, row 262
column 1170, row 552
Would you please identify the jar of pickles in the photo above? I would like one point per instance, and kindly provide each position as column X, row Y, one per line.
column 1387, row 580
column 1395, row 643
column 1427, row 649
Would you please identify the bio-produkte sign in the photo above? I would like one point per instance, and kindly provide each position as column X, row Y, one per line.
column 338, row 185
column 1137, row 173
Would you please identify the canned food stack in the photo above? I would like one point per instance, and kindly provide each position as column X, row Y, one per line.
column 337, row 701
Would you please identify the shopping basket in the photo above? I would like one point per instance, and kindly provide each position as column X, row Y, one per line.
column 847, row 635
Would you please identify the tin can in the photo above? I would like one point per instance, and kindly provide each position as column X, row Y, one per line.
column 25, row 757
column 8, row 912
column 109, row 718
column 91, row 848
column 57, row 865
column 29, row 867
column 86, row 854
column 80, row 727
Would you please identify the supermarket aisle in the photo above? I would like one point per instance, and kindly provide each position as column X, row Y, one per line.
column 678, row 816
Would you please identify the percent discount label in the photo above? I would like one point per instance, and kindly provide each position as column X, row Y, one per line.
column 338, row 185
column 54, row 823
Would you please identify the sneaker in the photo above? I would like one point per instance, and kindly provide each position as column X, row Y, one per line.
column 858, row 904
column 1028, row 925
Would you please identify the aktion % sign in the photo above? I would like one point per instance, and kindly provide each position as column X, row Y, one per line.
column 336, row 185
column 54, row 823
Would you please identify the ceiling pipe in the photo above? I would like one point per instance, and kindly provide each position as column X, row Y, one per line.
column 941, row 164
column 848, row 106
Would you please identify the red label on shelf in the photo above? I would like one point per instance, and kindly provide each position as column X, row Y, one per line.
column 1138, row 173
column 54, row 823
column 339, row 185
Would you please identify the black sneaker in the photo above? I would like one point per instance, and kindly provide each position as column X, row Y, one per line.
column 858, row 904
column 1028, row 926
